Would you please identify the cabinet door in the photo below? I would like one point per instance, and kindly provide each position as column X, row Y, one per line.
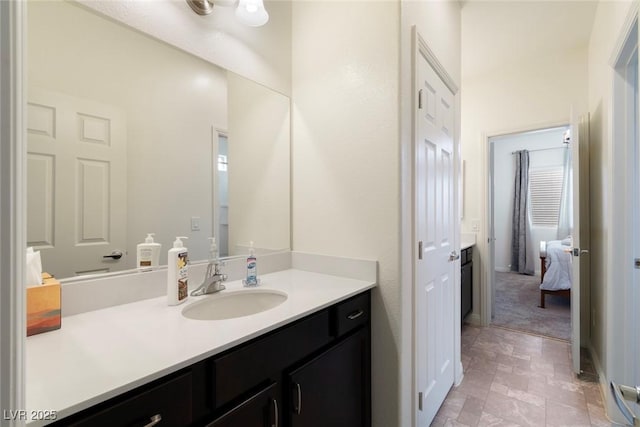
column 466, row 291
column 333, row 389
column 259, row 410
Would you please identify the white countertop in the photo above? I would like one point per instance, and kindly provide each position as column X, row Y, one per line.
column 467, row 240
column 464, row 245
column 101, row 354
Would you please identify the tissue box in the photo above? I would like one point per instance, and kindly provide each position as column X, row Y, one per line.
column 43, row 306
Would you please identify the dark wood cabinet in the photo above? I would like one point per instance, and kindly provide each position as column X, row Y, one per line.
column 315, row 371
column 261, row 409
column 466, row 282
column 263, row 360
column 166, row 402
column 332, row 389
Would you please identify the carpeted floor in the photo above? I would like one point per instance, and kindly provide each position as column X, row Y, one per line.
column 516, row 307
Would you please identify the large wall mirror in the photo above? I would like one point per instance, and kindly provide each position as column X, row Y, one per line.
column 128, row 135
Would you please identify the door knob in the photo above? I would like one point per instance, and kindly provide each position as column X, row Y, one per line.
column 622, row 393
column 454, row 256
column 114, row 255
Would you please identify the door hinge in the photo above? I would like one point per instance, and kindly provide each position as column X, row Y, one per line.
column 420, row 401
column 420, row 249
column 420, row 99
column 636, row 263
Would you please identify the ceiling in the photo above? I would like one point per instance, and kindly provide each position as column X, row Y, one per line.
column 498, row 32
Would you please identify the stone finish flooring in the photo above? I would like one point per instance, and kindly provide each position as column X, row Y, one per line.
column 517, row 379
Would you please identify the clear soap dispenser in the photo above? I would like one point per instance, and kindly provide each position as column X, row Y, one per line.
column 213, row 258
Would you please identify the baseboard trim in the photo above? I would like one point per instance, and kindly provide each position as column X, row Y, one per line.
column 607, row 400
column 473, row 319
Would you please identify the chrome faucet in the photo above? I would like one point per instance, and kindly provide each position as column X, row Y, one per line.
column 213, row 279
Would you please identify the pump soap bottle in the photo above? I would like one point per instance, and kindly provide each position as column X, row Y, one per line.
column 252, row 268
column 177, row 272
column 148, row 253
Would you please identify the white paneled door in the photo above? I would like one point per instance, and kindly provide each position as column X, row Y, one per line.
column 437, row 256
column 580, row 233
column 76, row 188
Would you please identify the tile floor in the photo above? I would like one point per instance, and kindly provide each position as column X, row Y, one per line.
column 517, row 379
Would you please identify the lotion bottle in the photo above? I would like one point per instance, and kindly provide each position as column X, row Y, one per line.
column 148, row 253
column 252, row 268
column 177, row 272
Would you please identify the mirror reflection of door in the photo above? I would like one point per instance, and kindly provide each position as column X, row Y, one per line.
column 223, row 194
column 77, row 174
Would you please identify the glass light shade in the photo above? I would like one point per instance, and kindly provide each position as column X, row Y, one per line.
column 252, row 13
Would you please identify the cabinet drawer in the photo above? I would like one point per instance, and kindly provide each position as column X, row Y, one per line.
column 350, row 314
column 263, row 359
column 169, row 400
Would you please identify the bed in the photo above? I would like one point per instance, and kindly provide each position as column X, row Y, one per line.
column 555, row 269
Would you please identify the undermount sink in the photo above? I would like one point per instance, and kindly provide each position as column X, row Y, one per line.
column 229, row 305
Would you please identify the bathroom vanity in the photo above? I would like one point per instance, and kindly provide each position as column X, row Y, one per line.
column 466, row 281
column 305, row 362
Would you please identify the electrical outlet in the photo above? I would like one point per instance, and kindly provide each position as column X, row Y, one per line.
column 195, row 223
column 475, row 225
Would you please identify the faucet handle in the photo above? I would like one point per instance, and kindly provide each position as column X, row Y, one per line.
column 218, row 265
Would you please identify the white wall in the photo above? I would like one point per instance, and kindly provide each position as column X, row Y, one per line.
column 259, row 172
column 352, row 129
column 608, row 24
column 262, row 53
column 525, row 94
column 12, row 208
column 504, row 171
column 345, row 158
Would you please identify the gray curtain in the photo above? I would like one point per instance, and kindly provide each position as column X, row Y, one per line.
column 521, row 247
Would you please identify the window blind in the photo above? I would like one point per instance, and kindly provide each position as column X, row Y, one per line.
column 545, row 190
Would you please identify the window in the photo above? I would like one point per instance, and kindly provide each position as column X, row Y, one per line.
column 545, row 189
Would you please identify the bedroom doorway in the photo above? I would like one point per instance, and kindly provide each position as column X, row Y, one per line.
column 546, row 186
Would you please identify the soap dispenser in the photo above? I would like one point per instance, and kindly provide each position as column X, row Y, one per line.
column 252, row 268
column 213, row 258
column 148, row 253
column 177, row 272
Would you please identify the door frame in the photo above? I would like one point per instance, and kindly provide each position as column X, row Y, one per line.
column 12, row 208
column 487, row 275
column 621, row 346
column 421, row 48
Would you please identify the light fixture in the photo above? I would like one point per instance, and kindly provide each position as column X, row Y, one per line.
column 252, row 13
column 249, row 12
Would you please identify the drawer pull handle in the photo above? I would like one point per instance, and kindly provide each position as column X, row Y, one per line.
column 298, row 408
column 355, row 315
column 275, row 413
column 154, row 420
